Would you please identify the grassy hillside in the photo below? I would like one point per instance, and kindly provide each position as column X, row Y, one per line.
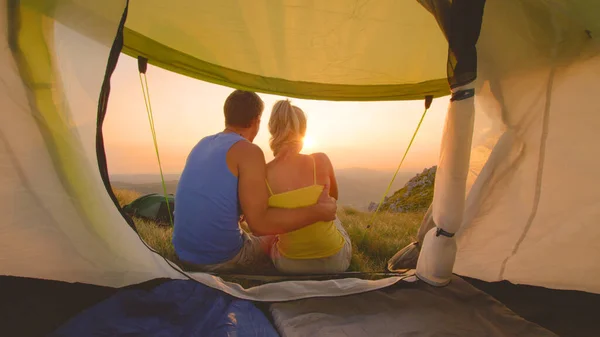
column 389, row 233
column 371, row 247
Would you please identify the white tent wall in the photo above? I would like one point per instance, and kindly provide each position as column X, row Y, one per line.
column 531, row 214
column 559, row 247
column 59, row 221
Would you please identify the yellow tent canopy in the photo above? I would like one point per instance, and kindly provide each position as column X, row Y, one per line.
column 334, row 50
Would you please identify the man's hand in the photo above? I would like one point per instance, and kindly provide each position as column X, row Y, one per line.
column 327, row 205
column 254, row 197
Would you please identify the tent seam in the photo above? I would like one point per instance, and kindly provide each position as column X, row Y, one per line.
column 540, row 173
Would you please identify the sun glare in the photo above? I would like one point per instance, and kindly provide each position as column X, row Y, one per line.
column 309, row 143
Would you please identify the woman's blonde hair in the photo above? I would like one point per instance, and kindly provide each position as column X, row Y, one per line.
column 287, row 125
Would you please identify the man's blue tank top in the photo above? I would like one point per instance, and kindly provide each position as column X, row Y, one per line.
column 207, row 211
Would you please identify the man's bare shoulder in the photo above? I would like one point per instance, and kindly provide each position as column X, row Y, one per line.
column 246, row 149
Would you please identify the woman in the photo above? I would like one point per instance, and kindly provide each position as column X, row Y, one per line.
column 297, row 180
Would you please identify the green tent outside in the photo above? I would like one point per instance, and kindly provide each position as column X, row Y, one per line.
column 152, row 207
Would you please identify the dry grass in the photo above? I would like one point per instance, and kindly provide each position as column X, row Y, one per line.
column 125, row 196
column 371, row 247
column 157, row 237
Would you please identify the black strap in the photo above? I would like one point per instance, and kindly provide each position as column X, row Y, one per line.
column 442, row 232
column 428, row 100
column 462, row 94
column 142, row 64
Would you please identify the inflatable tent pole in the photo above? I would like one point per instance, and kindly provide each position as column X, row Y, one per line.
column 438, row 252
column 460, row 20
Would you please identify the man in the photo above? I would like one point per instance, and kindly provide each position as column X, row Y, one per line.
column 224, row 177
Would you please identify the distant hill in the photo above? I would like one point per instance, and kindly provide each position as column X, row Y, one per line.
column 142, row 178
column 148, row 187
column 357, row 186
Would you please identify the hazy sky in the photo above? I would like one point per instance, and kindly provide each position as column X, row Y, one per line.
column 353, row 134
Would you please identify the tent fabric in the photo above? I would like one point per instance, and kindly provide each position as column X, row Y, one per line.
column 460, row 20
column 334, row 50
column 174, row 308
column 531, row 211
column 409, row 309
column 60, row 223
column 298, row 289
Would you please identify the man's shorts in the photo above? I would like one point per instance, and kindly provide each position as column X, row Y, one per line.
column 254, row 256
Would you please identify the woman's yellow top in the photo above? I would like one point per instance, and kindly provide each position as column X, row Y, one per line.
column 321, row 239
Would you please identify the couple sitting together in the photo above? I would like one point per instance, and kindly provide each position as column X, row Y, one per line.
column 288, row 206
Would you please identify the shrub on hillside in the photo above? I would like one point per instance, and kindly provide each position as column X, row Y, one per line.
column 415, row 196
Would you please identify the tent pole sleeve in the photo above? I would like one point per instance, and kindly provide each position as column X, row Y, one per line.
column 437, row 256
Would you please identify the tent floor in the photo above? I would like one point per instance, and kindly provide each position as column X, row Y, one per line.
column 564, row 312
column 35, row 307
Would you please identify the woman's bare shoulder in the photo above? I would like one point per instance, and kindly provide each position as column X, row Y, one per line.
column 321, row 158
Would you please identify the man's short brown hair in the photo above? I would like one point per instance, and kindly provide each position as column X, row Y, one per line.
column 242, row 107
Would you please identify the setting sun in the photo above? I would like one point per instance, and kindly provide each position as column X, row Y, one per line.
column 309, row 142
column 186, row 110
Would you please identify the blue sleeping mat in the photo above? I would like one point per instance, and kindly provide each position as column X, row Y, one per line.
column 174, row 308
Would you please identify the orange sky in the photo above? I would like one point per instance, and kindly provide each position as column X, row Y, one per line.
column 353, row 134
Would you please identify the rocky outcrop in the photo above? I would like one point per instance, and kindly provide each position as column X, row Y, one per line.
column 415, row 196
